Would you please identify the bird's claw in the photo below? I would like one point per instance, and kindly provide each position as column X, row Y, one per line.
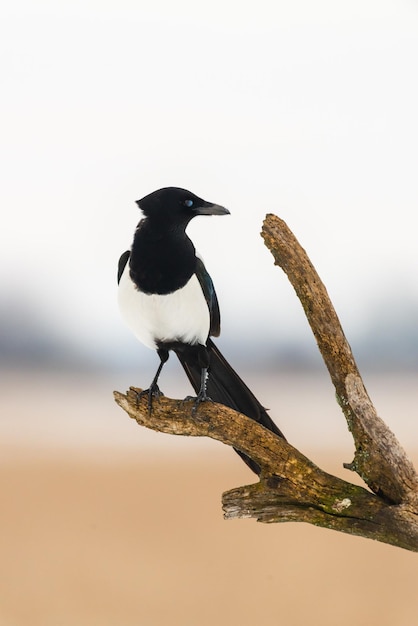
column 153, row 392
column 197, row 400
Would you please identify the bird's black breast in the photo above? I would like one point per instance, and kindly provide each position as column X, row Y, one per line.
column 161, row 263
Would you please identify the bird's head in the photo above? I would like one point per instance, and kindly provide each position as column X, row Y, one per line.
column 177, row 205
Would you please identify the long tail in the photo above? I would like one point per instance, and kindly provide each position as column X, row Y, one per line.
column 225, row 386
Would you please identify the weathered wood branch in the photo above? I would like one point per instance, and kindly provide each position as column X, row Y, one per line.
column 291, row 487
column 379, row 459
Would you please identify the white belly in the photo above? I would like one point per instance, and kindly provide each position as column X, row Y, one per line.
column 180, row 316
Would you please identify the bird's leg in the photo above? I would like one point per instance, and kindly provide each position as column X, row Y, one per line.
column 154, row 390
column 202, row 396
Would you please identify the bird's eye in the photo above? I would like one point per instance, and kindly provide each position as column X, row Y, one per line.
column 188, row 203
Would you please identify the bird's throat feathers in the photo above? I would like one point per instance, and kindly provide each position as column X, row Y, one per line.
column 163, row 258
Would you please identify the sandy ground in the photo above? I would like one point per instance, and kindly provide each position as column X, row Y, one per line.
column 104, row 523
column 116, row 540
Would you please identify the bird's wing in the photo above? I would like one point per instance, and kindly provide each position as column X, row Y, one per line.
column 210, row 297
column 122, row 263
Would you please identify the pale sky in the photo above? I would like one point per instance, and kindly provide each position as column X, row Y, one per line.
column 305, row 109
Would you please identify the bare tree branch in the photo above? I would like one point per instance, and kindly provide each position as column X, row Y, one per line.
column 379, row 459
column 291, row 487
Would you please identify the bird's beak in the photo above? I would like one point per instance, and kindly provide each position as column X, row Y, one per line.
column 211, row 209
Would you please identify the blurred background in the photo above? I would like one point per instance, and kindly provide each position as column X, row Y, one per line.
column 307, row 110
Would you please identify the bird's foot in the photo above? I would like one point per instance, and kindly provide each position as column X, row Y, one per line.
column 152, row 392
column 197, row 400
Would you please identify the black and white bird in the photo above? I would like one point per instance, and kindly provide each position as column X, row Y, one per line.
column 167, row 298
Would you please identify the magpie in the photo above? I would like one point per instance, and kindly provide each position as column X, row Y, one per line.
column 167, row 298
